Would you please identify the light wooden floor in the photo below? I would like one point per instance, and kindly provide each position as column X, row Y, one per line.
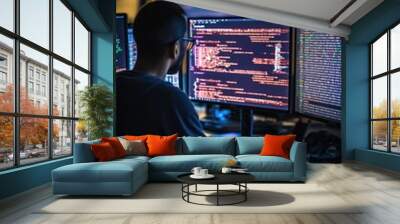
column 377, row 188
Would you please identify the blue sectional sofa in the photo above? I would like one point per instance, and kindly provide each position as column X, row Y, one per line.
column 125, row 176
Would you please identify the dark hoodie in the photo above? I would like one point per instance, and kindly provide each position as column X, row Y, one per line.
column 149, row 105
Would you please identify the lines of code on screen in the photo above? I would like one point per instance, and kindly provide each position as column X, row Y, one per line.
column 240, row 61
column 318, row 74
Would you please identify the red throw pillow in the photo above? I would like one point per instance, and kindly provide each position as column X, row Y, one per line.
column 116, row 145
column 277, row 145
column 103, row 152
column 161, row 145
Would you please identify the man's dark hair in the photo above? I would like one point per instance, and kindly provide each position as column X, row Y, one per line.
column 158, row 24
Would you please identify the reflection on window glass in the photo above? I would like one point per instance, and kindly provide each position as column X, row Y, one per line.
column 395, row 134
column 81, row 45
column 62, row 29
column 33, row 140
column 395, row 47
column 6, row 74
column 62, row 89
column 395, row 95
column 81, row 131
column 81, row 82
column 38, row 102
column 62, row 138
column 379, row 135
column 379, row 97
column 6, row 142
column 7, row 14
column 379, row 56
column 35, row 21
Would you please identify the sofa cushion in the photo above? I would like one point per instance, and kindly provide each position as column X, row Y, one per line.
column 185, row 163
column 249, row 145
column 207, row 145
column 112, row 171
column 257, row 163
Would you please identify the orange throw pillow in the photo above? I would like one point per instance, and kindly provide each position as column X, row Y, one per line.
column 161, row 145
column 277, row 145
column 135, row 138
column 103, row 152
column 116, row 145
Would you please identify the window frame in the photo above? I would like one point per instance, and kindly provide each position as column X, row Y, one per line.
column 16, row 115
column 388, row 74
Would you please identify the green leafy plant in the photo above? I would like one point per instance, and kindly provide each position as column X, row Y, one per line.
column 96, row 104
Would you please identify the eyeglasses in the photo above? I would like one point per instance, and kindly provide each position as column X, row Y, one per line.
column 189, row 42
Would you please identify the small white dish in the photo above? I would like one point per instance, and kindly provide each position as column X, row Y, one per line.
column 208, row 176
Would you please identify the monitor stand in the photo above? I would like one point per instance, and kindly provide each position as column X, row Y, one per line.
column 246, row 122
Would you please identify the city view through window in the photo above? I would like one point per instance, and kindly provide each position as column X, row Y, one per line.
column 385, row 91
column 39, row 114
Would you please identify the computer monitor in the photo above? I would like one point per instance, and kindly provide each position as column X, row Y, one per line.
column 121, row 50
column 319, row 75
column 132, row 48
column 239, row 61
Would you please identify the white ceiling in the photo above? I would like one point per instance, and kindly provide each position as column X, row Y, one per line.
column 320, row 9
column 307, row 14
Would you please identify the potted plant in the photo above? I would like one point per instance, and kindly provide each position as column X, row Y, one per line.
column 96, row 104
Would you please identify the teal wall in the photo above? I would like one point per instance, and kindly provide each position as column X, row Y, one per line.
column 356, row 91
column 99, row 16
column 24, row 178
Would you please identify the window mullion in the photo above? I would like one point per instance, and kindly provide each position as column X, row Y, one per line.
column 389, row 104
column 16, row 84
column 73, row 82
column 50, row 80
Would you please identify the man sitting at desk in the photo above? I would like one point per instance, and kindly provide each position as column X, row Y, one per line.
column 146, row 104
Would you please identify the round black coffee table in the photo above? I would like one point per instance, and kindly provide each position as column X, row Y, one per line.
column 238, row 179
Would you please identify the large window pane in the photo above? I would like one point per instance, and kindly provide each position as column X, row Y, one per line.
column 62, row 89
column 395, row 94
column 379, row 135
column 34, row 94
column 62, row 138
column 81, row 131
column 379, row 98
column 35, row 21
column 81, row 45
column 62, row 29
column 379, row 56
column 7, row 14
column 33, row 139
column 6, row 74
column 395, row 47
column 6, row 142
column 81, row 82
column 395, row 130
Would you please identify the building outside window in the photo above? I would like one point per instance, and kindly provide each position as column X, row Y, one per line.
column 385, row 93
column 58, row 126
column 30, row 87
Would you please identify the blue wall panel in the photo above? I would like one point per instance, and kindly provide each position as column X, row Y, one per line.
column 356, row 117
column 24, row 178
